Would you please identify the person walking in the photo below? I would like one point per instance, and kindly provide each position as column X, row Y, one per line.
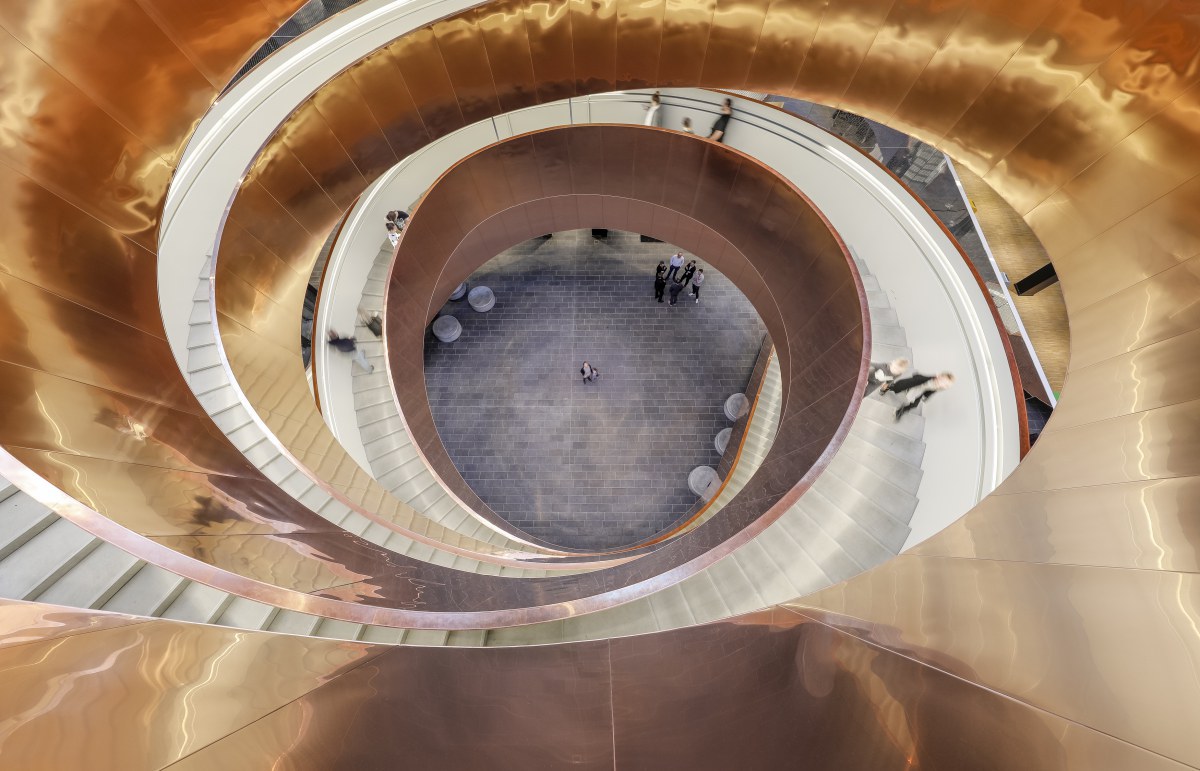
column 676, row 288
column 687, row 126
column 689, row 270
column 350, row 345
column 721, row 124
column 660, row 285
column 928, row 385
column 881, row 373
column 697, row 280
column 393, row 234
column 676, row 264
column 653, row 111
column 374, row 322
column 589, row 372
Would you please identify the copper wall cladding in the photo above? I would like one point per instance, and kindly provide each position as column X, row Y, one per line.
column 770, row 690
column 714, row 202
column 1082, row 115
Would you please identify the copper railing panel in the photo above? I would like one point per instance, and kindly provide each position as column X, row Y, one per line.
column 711, row 201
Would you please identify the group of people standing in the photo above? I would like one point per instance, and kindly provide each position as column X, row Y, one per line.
column 886, row 377
column 716, row 133
column 665, row 274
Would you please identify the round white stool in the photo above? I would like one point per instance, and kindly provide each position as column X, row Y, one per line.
column 459, row 292
column 722, row 440
column 481, row 298
column 703, row 481
column 446, row 329
column 736, row 406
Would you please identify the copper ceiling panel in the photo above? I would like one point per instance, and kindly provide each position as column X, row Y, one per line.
column 507, row 46
column 460, row 42
column 594, row 45
column 1055, row 59
column 84, row 156
column 987, row 36
column 847, row 30
column 640, row 24
column 154, row 94
column 732, row 43
column 214, row 41
column 379, row 79
column 548, row 27
column 685, row 28
column 908, row 39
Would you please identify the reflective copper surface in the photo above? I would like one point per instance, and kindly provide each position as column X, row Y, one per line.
column 1082, row 115
column 780, row 690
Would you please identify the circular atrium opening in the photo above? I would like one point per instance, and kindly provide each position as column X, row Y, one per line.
column 606, row 454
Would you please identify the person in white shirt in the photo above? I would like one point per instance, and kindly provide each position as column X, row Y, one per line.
column 653, row 111
column 881, row 373
column 687, row 126
column 393, row 234
column 676, row 264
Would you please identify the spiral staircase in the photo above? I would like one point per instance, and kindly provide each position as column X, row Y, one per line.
column 179, row 526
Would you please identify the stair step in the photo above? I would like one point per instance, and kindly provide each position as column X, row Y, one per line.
column 242, row 613
column 21, row 518
column 94, row 580
column 147, row 593
column 881, row 411
column 896, row 444
column 338, row 630
column 198, row 603
column 897, row 471
column 467, row 638
column 886, row 334
column 44, row 558
column 852, row 486
column 883, row 527
column 292, row 622
column 382, row 634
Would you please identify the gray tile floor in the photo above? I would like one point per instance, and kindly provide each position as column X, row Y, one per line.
column 603, row 464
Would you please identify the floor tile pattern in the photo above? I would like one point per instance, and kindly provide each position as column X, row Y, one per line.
column 592, row 465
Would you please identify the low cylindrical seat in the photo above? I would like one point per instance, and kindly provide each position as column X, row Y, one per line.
column 703, row 481
column 446, row 328
column 481, row 298
column 459, row 292
column 722, row 440
column 736, row 406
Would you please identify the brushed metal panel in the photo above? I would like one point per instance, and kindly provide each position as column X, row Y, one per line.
column 1147, row 525
column 1045, row 635
column 594, row 45
column 548, row 25
column 685, row 28
column 461, row 44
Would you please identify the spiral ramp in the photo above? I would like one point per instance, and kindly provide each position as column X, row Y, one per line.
column 1052, row 627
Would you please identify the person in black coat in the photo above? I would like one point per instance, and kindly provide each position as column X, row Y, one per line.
column 928, row 385
column 676, row 288
column 689, row 270
column 660, row 284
